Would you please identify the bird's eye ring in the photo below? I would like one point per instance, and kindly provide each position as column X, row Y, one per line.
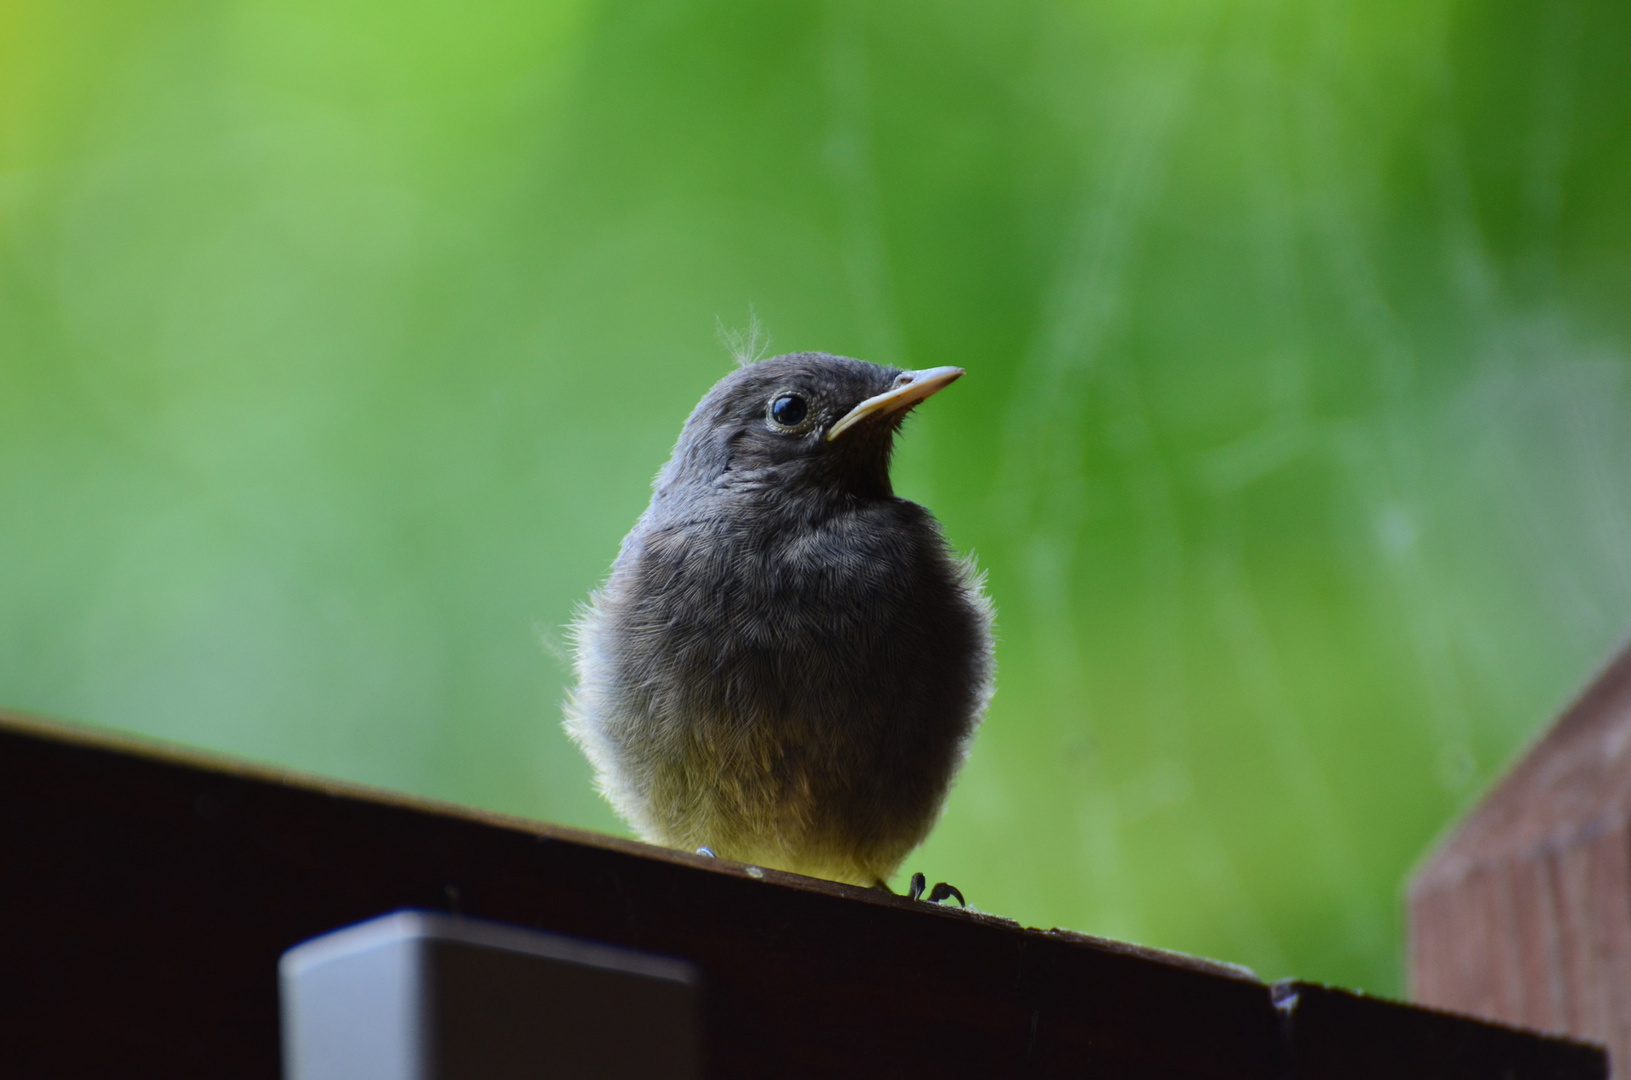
column 789, row 410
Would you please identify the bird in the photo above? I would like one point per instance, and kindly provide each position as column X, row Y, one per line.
column 787, row 663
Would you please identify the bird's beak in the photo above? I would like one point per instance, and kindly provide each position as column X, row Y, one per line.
column 910, row 388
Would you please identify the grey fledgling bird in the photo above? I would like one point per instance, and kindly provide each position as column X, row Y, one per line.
column 787, row 663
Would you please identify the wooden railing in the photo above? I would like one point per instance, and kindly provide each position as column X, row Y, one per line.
column 148, row 893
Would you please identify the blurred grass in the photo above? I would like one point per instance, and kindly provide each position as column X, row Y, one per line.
column 339, row 342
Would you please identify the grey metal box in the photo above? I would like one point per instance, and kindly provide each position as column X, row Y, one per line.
column 424, row 996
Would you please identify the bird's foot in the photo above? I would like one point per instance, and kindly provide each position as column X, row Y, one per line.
column 940, row 892
column 708, row 851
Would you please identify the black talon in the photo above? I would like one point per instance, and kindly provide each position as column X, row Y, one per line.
column 915, row 890
column 942, row 891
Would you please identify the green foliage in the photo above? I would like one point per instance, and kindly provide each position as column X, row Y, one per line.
column 339, row 342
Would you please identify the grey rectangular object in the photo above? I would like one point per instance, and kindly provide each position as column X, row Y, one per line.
column 424, row 996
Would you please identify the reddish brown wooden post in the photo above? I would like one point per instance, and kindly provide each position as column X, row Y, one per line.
column 1523, row 915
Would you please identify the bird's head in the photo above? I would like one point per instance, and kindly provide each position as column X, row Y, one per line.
column 801, row 421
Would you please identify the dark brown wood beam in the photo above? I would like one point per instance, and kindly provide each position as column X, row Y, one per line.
column 148, row 893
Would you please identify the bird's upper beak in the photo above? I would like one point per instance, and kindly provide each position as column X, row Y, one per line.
column 910, row 388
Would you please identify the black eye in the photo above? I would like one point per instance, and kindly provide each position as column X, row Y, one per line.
column 788, row 410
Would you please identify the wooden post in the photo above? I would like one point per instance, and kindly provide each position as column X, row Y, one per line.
column 1523, row 914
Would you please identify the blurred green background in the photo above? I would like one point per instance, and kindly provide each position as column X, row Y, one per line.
column 339, row 342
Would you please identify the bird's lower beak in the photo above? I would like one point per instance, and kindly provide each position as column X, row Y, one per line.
column 910, row 388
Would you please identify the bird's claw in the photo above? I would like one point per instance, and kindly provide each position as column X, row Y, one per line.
column 940, row 892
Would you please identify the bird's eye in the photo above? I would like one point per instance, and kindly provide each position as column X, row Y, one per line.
column 788, row 410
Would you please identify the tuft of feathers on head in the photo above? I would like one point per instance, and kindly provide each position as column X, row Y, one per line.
column 549, row 641
column 745, row 346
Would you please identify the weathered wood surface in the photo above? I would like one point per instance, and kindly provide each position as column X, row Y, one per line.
column 147, row 894
column 1523, row 914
